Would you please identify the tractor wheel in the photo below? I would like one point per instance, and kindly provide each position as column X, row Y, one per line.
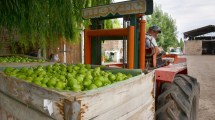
column 178, row 100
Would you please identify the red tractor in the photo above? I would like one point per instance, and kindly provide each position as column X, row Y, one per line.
column 176, row 93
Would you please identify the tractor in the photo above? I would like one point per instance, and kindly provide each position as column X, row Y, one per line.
column 176, row 93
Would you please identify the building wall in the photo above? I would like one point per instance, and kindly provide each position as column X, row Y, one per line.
column 68, row 52
column 112, row 45
column 4, row 42
column 193, row 47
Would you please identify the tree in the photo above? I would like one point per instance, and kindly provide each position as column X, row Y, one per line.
column 39, row 21
column 181, row 44
column 168, row 37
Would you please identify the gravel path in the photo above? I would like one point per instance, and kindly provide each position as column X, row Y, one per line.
column 203, row 68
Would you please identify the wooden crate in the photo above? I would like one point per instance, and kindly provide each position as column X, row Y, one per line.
column 23, row 64
column 132, row 99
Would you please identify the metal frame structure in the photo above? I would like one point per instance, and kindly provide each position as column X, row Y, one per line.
column 135, row 34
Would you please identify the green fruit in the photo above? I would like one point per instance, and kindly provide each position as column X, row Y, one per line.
column 33, row 75
column 95, row 73
column 37, row 83
column 76, row 87
column 8, row 69
column 51, row 87
column 60, row 85
column 15, row 71
column 129, row 76
column 101, row 78
column 62, row 78
column 44, row 81
column 72, row 82
column 56, row 64
column 21, row 76
column 51, row 82
column 97, row 69
column 70, row 75
column 40, row 67
column 98, row 83
column 38, row 79
column 119, row 78
column 102, row 72
column 23, row 69
column 67, row 88
column 92, row 86
column 48, row 67
column 30, row 71
column 111, row 77
column 70, row 69
column 56, row 68
column 87, row 66
column 74, row 73
column 80, row 79
column 107, row 83
column 119, row 74
column 63, row 69
column 76, row 68
column 82, row 71
column 29, row 79
column 89, row 76
column 87, row 82
column 43, row 85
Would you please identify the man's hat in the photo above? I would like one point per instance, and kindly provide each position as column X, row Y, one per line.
column 155, row 28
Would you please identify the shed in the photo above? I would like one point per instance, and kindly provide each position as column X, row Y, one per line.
column 201, row 41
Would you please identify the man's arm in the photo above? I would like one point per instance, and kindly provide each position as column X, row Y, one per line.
column 151, row 43
column 158, row 49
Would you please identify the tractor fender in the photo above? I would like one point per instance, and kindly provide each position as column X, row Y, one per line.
column 168, row 73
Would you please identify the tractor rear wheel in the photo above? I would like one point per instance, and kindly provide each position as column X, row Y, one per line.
column 178, row 100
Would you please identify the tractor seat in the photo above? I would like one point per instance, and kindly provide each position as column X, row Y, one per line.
column 150, row 58
column 149, row 53
column 153, row 60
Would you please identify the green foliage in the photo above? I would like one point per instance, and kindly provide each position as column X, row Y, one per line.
column 181, row 44
column 168, row 37
column 39, row 21
column 111, row 23
column 108, row 24
column 116, row 23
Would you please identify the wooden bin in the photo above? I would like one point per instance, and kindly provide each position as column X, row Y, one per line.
column 132, row 99
column 22, row 64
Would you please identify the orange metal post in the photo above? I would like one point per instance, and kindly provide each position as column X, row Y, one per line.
column 131, row 47
column 87, row 48
column 142, row 44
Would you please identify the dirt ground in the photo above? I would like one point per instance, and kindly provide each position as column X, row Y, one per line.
column 203, row 68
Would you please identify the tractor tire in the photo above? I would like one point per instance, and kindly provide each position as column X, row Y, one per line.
column 178, row 100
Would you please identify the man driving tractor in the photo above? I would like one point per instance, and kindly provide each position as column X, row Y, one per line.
column 151, row 37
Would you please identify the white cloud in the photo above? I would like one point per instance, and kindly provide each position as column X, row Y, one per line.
column 189, row 14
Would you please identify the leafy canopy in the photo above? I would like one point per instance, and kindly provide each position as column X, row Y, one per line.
column 168, row 37
column 36, row 21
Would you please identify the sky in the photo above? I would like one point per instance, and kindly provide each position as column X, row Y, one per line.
column 188, row 14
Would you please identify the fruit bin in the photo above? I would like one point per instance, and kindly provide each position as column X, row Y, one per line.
column 131, row 99
column 22, row 64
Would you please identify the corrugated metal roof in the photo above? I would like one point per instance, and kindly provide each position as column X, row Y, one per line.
column 199, row 31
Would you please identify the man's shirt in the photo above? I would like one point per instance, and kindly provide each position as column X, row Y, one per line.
column 150, row 41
